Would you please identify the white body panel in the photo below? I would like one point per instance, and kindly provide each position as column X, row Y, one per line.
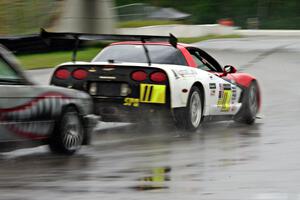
column 184, row 77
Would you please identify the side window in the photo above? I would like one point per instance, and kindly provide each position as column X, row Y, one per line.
column 205, row 61
column 201, row 63
column 6, row 72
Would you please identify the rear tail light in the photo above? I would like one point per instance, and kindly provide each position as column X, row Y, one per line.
column 62, row 74
column 158, row 77
column 139, row 75
column 80, row 74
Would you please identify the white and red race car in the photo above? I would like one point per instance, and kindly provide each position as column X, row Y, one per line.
column 135, row 80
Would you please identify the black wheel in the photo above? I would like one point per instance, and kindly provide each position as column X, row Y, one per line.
column 189, row 118
column 249, row 109
column 68, row 133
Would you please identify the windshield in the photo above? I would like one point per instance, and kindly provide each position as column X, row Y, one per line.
column 159, row 54
column 6, row 72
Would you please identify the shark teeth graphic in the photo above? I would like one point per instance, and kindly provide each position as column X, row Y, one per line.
column 27, row 120
column 31, row 129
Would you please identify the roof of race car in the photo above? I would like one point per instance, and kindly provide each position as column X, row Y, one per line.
column 150, row 43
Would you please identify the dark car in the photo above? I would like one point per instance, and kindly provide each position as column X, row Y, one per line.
column 35, row 114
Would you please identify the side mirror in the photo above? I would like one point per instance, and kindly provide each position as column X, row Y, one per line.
column 229, row 69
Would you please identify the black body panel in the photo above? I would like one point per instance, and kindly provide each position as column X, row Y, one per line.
column 108, row 102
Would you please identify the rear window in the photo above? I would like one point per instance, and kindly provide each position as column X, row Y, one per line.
column 159, row 54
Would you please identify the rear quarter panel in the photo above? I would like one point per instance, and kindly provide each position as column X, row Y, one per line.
column 183, row 78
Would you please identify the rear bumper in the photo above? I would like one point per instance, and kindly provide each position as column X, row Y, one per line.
column 113, row 110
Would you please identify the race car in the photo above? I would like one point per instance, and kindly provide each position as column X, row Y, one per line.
column 33, row 114
column 147, row 77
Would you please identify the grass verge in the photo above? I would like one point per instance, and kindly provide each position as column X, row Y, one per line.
column 51, row 59
column 207, row 37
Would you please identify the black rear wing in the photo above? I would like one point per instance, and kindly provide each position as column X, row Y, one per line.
column 92, row 37
column 87, row 36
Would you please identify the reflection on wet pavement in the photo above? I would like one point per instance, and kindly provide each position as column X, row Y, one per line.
column 155, row 180
column 124, row 161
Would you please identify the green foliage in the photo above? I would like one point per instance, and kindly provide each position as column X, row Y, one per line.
column 51, row 59
column 273, row 14
column 22, row 17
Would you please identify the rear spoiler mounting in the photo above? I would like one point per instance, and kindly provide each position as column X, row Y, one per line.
column 90, row 37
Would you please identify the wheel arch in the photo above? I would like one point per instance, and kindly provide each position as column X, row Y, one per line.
column 258, row 93
column 243, row 79
column 72, row 105
column 200, row 86
column 254, row 80
column 87, row 137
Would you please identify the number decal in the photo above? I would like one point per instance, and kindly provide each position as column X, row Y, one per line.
column 225, row 95
column 151, row 93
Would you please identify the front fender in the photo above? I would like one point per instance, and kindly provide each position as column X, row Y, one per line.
column 243, row 79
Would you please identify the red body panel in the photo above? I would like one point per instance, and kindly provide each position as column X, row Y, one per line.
column 242, row 79
column 189, row 59
column 245, row 80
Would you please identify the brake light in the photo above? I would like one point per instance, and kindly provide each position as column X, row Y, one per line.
column 139, row 75
column 80, row 74
column 158, row 77
column 62, row 74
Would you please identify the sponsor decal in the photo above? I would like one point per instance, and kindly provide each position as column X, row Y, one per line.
column 212, row 92
column 225, row 95
column 185, row 72
column 212, row 86
column 131, row 102
column 234, row 93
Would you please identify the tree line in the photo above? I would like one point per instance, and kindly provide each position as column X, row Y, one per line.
column 270, row 14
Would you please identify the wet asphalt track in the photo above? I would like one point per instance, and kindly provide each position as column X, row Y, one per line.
column 222, row 160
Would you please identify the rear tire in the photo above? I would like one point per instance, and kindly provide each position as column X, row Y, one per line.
column 249, row 109
column 189, row 118
column 68, row 133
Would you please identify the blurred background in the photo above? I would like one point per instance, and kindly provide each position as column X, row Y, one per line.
column 190, row 21
column 21, row 17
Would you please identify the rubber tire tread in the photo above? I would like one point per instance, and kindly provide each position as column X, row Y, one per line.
column 182, row 115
